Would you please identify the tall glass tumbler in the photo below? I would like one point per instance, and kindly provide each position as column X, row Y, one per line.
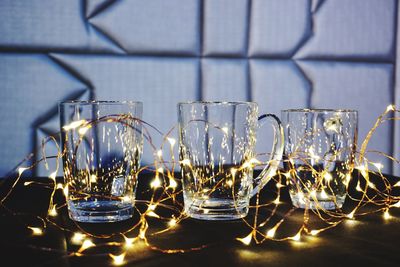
column 319, row 155
column 217, row 156
column 102, row 145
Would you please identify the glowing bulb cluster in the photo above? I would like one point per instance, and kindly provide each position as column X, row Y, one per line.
column 324, row 176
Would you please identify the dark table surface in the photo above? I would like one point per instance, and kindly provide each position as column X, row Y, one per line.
column 367, row 241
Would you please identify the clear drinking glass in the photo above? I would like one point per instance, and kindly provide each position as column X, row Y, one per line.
column 102, row 144
column 319, row 155
column 217, row 156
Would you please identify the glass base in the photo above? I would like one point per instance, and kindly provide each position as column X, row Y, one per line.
column 329, row 203
column 99, row 211
column 216, row 209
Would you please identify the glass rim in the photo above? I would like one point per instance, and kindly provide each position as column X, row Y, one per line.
column 105, row 102
column 319, row 110
column 232, row 103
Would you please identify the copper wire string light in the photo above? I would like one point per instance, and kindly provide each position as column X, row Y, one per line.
column 164, row 204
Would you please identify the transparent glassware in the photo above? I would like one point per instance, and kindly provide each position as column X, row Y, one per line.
column 319, row 155
column 102, row 145
column 217, row 156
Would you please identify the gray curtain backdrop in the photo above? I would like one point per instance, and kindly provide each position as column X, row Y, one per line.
column 279, row 53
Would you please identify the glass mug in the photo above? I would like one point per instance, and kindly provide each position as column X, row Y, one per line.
column 319, row 155
column 217, row 155
column 102, row 145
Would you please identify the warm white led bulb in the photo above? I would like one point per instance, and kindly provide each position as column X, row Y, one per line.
column 118, row 259
column 247, row 239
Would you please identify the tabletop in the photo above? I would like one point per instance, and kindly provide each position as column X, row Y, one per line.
column 369, row 240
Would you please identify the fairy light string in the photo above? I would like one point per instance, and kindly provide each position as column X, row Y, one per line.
column 164, row 190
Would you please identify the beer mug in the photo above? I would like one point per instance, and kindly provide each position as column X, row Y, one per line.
column 217, row 157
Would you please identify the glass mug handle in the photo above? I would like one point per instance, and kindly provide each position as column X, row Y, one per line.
column 276, row 154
